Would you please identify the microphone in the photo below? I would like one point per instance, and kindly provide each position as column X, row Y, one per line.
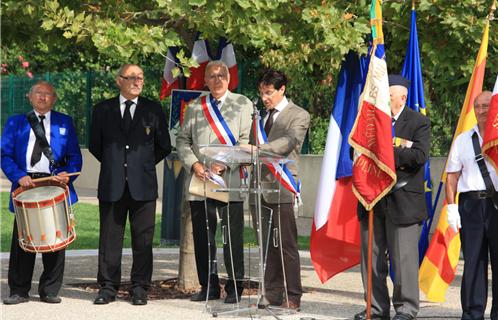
column 255, row 101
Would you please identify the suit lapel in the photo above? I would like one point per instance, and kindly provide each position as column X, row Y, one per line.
column 400, row 123
column 281, row 120
column 116, row 112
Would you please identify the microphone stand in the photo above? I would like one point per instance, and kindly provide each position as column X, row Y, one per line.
column 263, row 302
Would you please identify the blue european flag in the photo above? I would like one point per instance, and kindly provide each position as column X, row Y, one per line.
column 412, row 70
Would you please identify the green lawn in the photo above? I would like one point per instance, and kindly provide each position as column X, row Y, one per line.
column 87, row 228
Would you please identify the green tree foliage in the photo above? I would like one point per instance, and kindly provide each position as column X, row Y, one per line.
column 307, row 39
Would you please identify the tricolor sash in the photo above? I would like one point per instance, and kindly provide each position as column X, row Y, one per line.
column 220, row 127
column 216, row 121
column 280, row 171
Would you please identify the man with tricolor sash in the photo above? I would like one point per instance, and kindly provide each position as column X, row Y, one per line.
column 476, row 214
column 220, row 117
column 281, row 131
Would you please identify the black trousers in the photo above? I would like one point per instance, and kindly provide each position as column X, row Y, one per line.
column 274, row 271
column 21, row 266
column 232, row 220
column 112, row 226
column 479, row 235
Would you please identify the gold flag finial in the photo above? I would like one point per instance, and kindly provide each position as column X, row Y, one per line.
column 413, row 4
column 491, row 15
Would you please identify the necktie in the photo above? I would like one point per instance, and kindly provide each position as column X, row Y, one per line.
column 393, row 122
column 127, row 115
column 269, row 121
column 37, row 151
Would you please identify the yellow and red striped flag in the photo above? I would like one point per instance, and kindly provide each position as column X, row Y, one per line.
column 441, row 259
column 490, row 141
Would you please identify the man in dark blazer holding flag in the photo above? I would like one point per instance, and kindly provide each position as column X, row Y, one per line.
column 129, row 136
column 399, row 215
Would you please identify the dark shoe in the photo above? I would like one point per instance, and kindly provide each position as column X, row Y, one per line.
column 232, row 298
column 291, row 305
column 201, row 295
column 363, row 316
column 51, row 299
column 103, row 299
column 139, row 300
column 15, row 299
column 403, row 316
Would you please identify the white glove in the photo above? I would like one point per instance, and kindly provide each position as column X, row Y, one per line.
column 453, row 217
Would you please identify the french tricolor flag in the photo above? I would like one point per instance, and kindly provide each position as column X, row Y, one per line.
column 200, row 54
column 169, row 82
column 227, row 55
column 335, row 234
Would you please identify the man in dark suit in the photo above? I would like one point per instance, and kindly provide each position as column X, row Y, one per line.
column 129, row 137
column 398, row 216
column 19, row 141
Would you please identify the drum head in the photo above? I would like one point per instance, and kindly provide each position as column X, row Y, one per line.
column 40, row 193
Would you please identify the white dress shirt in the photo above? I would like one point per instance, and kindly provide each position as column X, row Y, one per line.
column 279, row 108
column 43, row 165
column 122, row 105
column 462, row 158
column 222, row 99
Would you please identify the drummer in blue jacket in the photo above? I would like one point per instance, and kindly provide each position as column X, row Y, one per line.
column 23, row 159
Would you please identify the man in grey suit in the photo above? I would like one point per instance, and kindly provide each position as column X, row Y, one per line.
column 233, row 112
column 285, row 125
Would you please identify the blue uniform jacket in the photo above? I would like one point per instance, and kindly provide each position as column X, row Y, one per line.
column 63, row 141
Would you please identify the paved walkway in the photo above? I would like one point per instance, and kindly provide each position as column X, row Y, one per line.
column 340, row 298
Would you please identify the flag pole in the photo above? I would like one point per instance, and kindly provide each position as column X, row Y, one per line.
column 491, row 15
column 369, row 263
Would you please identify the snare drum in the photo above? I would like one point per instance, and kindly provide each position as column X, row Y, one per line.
column 44, row 216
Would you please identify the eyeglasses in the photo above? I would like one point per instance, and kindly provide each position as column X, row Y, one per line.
column 219, row 76
column 267, row 94
column 43, row 94
column 133, row 79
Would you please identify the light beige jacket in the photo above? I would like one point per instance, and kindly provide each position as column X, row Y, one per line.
column 196, row 131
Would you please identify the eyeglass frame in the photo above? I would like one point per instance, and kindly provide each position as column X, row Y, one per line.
column 133, row 78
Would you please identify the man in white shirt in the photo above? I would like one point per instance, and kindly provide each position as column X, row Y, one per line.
column 475, row 215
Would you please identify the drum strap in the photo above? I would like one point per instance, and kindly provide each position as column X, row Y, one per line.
column 40, row 135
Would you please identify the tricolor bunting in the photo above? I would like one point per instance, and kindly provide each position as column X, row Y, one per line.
column 438, row 268
column 169, row 81
column 335, row 234
column 490, row 141
column 200, row 53
column 227, row 55
column 412, row 70
column 371, row 137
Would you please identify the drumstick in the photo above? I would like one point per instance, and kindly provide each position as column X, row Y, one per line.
column 51, row 177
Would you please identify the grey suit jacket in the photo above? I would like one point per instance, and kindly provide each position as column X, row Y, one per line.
column 286, row 138
column 196, row 131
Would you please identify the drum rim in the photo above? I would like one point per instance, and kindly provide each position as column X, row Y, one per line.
column 43, row 203
column 48, row 248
